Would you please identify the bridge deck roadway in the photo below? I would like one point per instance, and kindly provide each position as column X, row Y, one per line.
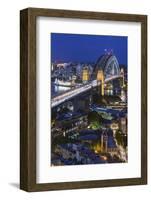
column 76, row 91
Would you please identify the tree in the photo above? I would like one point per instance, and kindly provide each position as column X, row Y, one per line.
column 94, row 120
column 95, row 125
column 93, row 116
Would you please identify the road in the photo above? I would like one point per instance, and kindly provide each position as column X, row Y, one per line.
column 76, row 91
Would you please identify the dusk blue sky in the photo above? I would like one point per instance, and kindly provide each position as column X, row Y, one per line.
column 86, row 48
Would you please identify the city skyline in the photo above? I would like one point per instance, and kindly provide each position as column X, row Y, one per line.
column 88, row 100
column 87, row 48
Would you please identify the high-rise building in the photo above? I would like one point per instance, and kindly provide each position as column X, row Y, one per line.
column 85, row 74
column 73, row 78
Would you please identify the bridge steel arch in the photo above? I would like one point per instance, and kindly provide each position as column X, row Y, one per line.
column 109, row 64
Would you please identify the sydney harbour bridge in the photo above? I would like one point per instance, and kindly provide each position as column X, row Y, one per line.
column 106, row 69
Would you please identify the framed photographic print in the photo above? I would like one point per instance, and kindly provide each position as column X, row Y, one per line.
column 83, row 93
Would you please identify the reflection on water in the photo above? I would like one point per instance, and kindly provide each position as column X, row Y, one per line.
column 116, row 91
column 56, row 90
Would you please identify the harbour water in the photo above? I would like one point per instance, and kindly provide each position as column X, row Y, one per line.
column 57, row 90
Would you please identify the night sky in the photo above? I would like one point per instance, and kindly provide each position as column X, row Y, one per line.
column 86, row 48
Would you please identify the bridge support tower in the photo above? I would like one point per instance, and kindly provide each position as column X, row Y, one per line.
column 122, row 73
column 100, row 77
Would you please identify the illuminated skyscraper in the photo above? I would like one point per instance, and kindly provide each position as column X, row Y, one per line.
column 85, row 74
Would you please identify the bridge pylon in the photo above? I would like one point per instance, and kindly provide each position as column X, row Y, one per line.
column 122, row 73
column 100, row 77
